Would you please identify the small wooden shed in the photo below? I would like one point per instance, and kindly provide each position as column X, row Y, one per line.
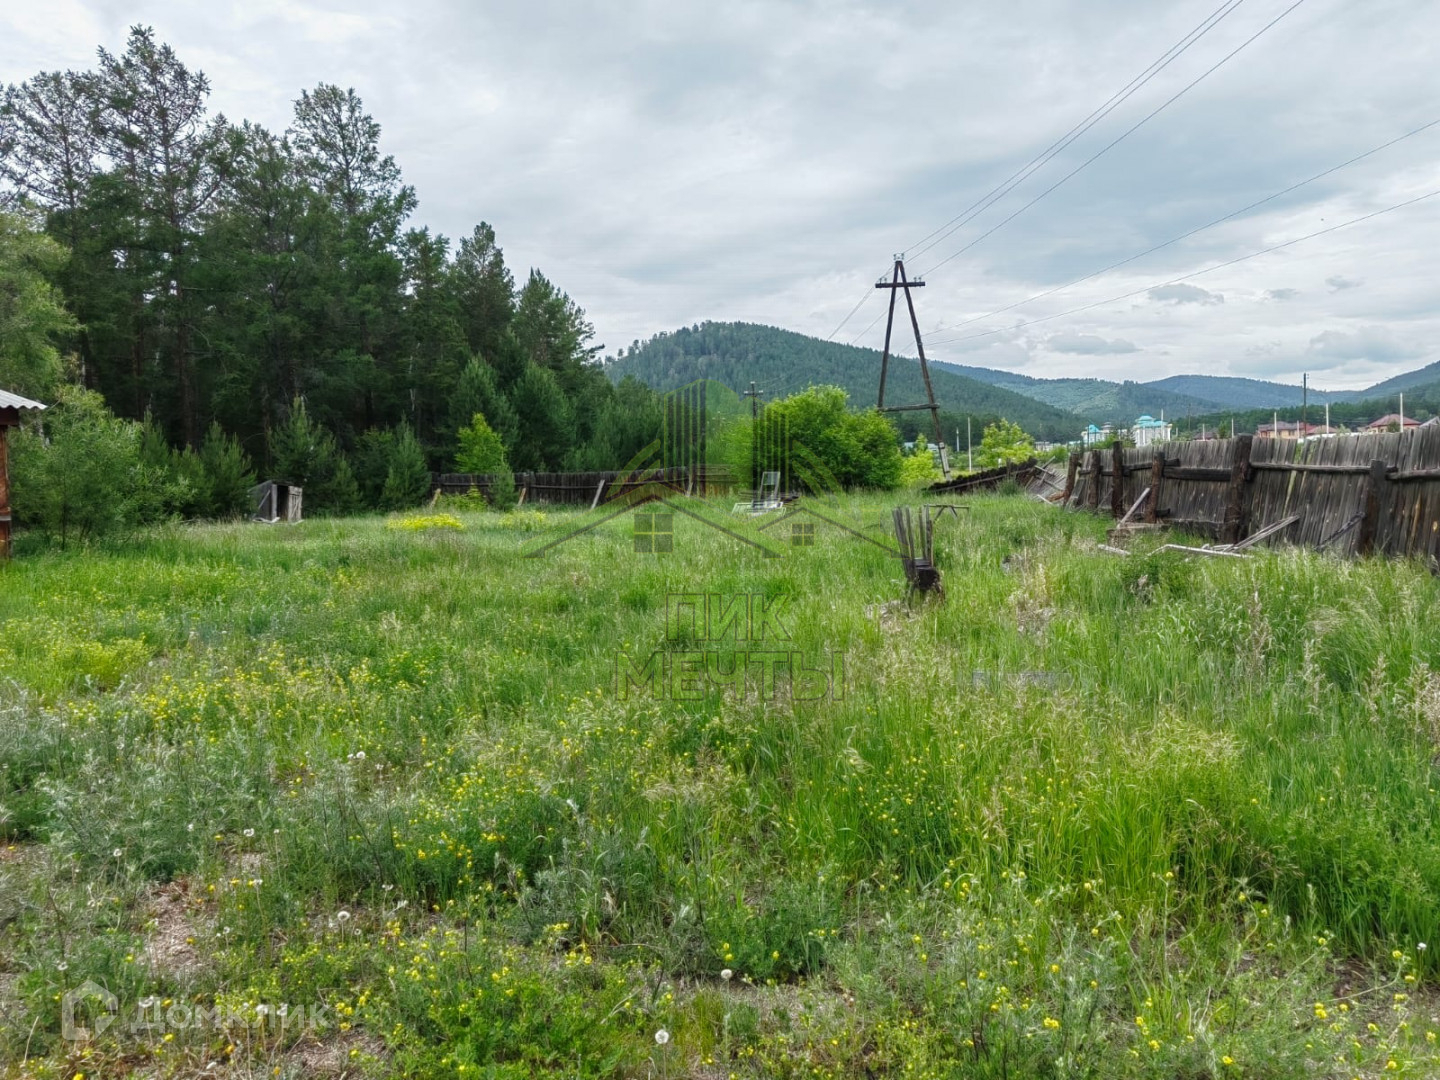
column 11, row 406
column 277, row 501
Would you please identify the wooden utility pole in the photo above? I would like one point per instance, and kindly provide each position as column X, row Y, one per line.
column 754, row 395
column 899, row 281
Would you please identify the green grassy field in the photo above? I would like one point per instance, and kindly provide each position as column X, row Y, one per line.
column 1091, row 816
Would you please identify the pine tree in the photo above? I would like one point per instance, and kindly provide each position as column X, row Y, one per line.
column 226, row 473
column 407, row 481
column 546, row 421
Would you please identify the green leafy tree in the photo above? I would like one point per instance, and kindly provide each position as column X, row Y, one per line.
column 32, row 314
column 407, row 481
column 858, row 449
column 918, row 468
column 1003, row 442
column 481, row 450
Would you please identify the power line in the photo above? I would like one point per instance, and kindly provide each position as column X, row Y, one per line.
column 1045, row 156
column 1197, row 273
column 1040, row 159
column 1198, row 229
column 1120, row 138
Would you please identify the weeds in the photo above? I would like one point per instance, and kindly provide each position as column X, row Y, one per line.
column 1091, row 817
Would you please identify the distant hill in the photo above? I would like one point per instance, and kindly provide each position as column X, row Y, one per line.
column 1230, row 392
column 782, row 362
column 1408, row 381
column 1093, row 400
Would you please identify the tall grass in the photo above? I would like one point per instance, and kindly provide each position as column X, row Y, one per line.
column 1177, row 812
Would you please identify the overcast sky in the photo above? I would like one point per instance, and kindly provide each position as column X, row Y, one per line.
column 668, row 163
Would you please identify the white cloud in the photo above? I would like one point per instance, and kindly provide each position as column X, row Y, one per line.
column 1339, row 283
column 1374, row 343
column 1185, row 294
column 1089, row 345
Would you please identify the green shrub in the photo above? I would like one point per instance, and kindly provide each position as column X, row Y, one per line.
column 79, row 474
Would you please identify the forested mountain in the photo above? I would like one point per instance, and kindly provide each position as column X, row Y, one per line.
column 781, row 362
column 1408, row 382
column 220, row 272
column 1230, row 392
column 1093, row 400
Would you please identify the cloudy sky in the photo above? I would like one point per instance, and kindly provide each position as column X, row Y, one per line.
column 672, row 162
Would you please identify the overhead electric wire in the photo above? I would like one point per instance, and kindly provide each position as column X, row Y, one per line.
column 1042, row 158
column 1197, row 273
column 1192, row 232
column 1119, row 138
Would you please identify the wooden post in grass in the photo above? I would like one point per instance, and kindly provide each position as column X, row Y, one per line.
column 1070, row 472
column 1117, row 486
column 1370, row 516
column 1233, row 527
column 1157, row 473
column 1095, row 474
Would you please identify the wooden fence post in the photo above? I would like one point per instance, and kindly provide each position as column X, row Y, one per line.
column 1370, row 518
column 1095, row 480
column 1233, row 527
column 4, row 494
column 1157, row 474
column 1070, row 478
column 1117, row 486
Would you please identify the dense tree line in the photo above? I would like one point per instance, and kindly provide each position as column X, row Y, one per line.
column 215, row 272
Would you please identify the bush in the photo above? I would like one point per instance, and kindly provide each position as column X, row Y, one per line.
column 502, row 491
column 856, row 449
column 79, row 475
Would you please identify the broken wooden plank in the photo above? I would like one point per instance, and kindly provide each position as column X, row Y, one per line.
column 1267, row 532
column 1135, row 506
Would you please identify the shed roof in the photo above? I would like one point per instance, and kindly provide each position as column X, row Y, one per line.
column 15, row 401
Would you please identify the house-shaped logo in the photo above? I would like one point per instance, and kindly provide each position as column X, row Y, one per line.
column 711, row 448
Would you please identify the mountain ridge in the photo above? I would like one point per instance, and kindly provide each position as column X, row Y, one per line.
column 785, row 361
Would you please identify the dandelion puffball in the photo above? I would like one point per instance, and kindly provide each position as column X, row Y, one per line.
column 662, row 1037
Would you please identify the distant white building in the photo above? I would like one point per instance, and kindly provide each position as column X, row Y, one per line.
column 1093, row 435
column 1148, row 431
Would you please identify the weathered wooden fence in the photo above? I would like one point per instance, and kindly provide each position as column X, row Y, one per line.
column 1358, row 494
column 591, row 487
